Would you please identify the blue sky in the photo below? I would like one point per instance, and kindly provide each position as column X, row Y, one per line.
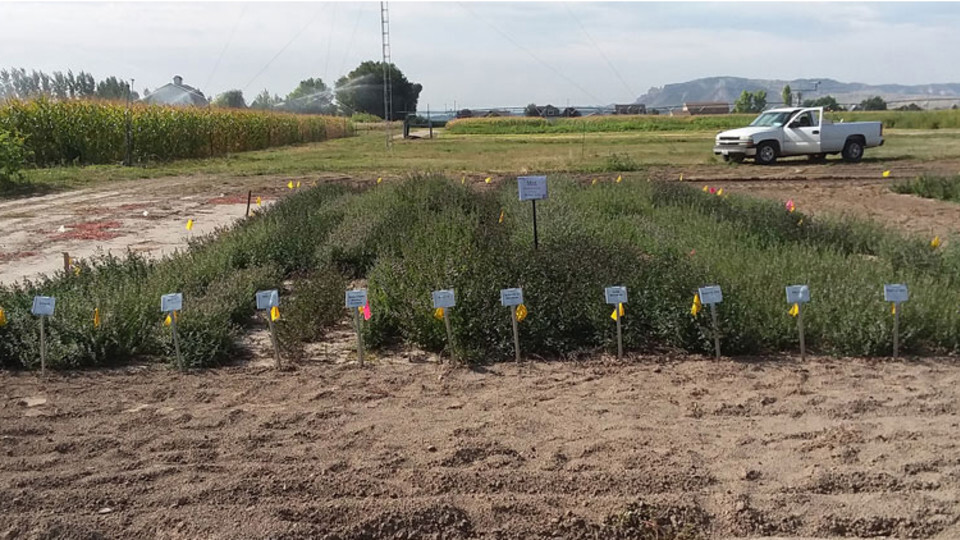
column 488, row 54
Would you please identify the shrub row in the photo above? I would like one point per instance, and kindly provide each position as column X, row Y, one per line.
column 93, row 132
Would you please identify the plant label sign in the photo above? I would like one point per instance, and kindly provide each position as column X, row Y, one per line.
column 798, row 294
column 511, row 297
column 268, row 299
column 615, row 295
column 895, row 292
column 356, row 298
column 710, row 294
column 43, row 306
column 171, row 302
column 444, row 298
column 532, row 188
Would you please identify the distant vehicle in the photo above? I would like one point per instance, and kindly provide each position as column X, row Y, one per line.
column 797, row 132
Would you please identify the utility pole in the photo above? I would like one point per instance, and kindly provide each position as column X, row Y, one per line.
column 387, row 83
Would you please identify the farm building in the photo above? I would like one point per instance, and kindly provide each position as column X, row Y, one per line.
column 706, row 107
column 177, row 93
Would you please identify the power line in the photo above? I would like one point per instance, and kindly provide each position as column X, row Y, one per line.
column 599, row 50
column 353, row 35
column 284, row 48
column 530, row 53
column 226, row 45
column 333, row 20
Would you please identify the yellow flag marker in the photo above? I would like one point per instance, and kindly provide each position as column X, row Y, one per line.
column 720, row 192
column 501, row 217
column 935, row 243
column 76, row 270
column 438, row 314
column 189, row 224
column 697, row 305
column 619, row 178
column 521, row 312
column 615, row 313
column 893, row 308
column 290, row 184
column 681, row 177
column 463, row 180
column 594, row 182
column 96, row 317
column 886, row 174
column 487, row 179
column 259, row 201
column 298, row 184
column 794, row 310
column 274, row 313
column 705, row 189
column 380, row 180
column 799, row 223
column 3, row 317
column 168, row 320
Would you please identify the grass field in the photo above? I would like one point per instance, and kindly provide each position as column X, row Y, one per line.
column 931, row 187
column 479, row 154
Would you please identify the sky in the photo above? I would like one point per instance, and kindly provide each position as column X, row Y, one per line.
column 475, row 54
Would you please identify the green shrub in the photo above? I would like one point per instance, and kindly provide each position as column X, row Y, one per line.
column 316, row 304
column 13, row 155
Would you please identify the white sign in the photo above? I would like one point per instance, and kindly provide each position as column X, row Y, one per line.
column 711, row 294
column 532, row 188
column 43, row 306
column 267, row 299
column 444, row 298
column 615, row 295
column 798, row 294
column 171, row 302
column 511, row 297
column 356, row 298
column 895, row 292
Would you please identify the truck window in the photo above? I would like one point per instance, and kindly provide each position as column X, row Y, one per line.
column 771, row 119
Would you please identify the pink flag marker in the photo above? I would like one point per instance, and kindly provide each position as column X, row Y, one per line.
column 790, row 206
column 366, row 311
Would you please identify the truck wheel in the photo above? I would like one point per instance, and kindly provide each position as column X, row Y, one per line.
column 853, row 151
column 766, row 153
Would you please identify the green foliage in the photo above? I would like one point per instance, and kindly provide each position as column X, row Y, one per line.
column 751, row 102
column 13, row 155
column 88, row 132
column 264, row 101
column 829, row 103
column 231, row 99
column 786, row 95
column 16, row 83
column 361, row 90
column 365, row 118
column 944, row 188
column 595, row 124
column 311, row 96
column 316, row 304
column 875, row 103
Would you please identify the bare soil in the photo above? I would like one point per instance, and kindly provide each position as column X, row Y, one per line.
column 406, row 448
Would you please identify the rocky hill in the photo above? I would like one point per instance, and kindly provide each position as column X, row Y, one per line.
column 727, row 89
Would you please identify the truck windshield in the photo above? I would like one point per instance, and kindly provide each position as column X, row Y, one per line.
column 771, row 119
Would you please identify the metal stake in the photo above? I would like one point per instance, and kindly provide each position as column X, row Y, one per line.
column 896, row 328
column 43, row 347
column 803, row 347
column 273, row 338
column 716, row 329
column 446, row 322
column 619, row 335
column 176, row 340
column 356, row 319
column 536, row 243
column 516, row 333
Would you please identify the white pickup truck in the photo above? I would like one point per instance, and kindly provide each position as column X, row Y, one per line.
column 797, row 132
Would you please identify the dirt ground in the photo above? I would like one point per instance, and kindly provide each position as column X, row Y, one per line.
column 410, row 449
column 111, row 218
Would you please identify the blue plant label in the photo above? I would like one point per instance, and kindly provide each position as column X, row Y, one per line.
column 171, row 302
column 444, row 298
column 710, row 294
column 43, row 306
column 356, row 298
column 532, row 188
column 511, row 297
column 267, row 299
column 895, row 292
column 798, row 294
column 615, row 295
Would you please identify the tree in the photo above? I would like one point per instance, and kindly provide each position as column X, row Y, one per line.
column 751, row 102
column 231, row 99
column 876, row 103
column 910, row 107
column 361, row 90
column 829, row 103
column 113, row 88
column 265, row 101
column 312, row 96
column 787, row 95
column 531, row 110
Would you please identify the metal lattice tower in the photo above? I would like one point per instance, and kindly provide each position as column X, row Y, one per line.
column 387, row 83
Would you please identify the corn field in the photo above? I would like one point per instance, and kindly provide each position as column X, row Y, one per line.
column 93, row 132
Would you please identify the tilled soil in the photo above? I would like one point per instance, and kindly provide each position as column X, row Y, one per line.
column 409, row 449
